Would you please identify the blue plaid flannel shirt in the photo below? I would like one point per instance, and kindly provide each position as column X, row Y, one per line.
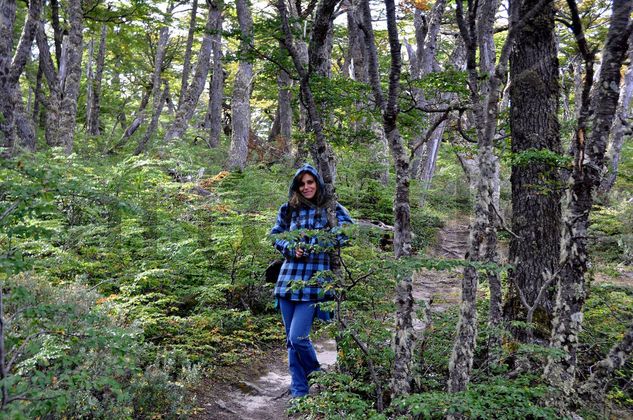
column 302, row 269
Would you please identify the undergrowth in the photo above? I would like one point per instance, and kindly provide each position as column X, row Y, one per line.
column 126, row 280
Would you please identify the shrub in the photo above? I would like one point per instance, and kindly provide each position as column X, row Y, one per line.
column 73, row 360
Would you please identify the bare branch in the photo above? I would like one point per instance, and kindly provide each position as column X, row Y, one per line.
column 462, row 132
column 9, row 210
column 428, row 133
column 503, row 224
column 16, row 352
column 370, row 364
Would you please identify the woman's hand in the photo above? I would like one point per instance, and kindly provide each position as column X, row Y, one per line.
column 299, row 252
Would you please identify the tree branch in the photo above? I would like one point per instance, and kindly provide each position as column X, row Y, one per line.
column 9, row 210
column 428, row 134
column 16, row 352
column 503, row 224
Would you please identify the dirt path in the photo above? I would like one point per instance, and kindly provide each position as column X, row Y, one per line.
column 259, row 392
column 443, row 288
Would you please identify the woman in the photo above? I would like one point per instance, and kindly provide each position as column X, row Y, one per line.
column 296, row 291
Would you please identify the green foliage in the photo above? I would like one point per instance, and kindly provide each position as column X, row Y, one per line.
column 542, row 157
column 74, row 359
column 612, row 232
column 499, row 398
column 607, row 315
column 424, row 226
column 451, row 80
column 185, row 269
column 341, row 397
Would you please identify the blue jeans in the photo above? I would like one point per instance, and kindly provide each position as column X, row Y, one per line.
column 302, row 359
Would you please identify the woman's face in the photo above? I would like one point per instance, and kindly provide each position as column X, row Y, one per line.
column 307, row 186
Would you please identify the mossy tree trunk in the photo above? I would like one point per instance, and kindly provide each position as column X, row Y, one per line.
column 186, row 65
column 583, row 183
column 536, row 183
column 216, row 87
column 189, row 99
column 240, row 103
column 14, row 123
column 157, row 94
column 404, row 338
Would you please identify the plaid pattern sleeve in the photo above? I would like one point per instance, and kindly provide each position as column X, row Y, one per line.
column 297, row 280
column 282, row 245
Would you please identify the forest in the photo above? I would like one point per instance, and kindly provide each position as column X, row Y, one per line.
column 482, row 147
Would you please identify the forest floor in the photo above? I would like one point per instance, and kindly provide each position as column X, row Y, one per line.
column 258, row 391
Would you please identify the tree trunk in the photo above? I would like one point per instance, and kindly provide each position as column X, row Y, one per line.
column 485, row 95
column 136, row 122
column 24, row 124
column 89, row 82
column 158, row 105
column 69, row 82
column 216, row 87
column 404, row 339
column 57, row 32
column 319, row 32
column 37, row 100
column 426, row 34
column 11, row 67
column 319, row 54
column 584, row 180
column 52, row 103
column 535, row 183
column 617, row 136
column 285, row 112
column 485, row 29
column 190, row 99
column 301, row 47
column 95, row 105
column 584, row 86
column 63, row 84
column 360, row 72
column 240, row 103
column 158, row 100
column 356, row 43
column 186, row 66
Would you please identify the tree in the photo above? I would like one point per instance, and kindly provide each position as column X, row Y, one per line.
column 403, row 339
column 536, row 180
column 583, row 183
column 359, row 63
column 213, row 120
column 158, row 97
column 617, row 132
column 423, row 62
column 484, row 95
column 240, row 104
column 11, row 68
column 186, row 65
column 284, row 111
column 63, row 84
column 94, row 106
column 189, row 100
